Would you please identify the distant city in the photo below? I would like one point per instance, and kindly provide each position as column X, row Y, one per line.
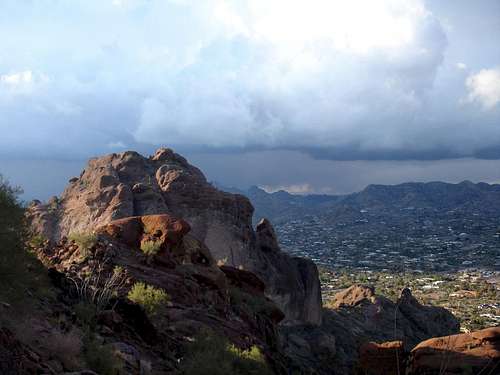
column 418, row 240
column 419, row 227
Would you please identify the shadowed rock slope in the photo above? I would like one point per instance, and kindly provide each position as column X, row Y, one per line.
column 199, row 297
column 123, row 185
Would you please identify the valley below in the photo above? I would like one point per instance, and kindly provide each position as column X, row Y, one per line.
column 440, row 240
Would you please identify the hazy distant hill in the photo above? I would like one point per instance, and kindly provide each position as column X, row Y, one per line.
column 281, row 205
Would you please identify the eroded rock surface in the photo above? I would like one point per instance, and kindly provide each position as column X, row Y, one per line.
column 119, row 186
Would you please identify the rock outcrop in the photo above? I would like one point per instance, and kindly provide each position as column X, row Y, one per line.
column 201, row 295
column 471, row 353
column 354, row 295
column 468, row 353
column 358, row 316
column 380, row 319
column 124, row 185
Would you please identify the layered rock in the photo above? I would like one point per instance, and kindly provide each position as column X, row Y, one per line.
column 119, row 186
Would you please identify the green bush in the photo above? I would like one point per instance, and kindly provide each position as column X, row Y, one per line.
column 12, row 226
column 149, row 297
column 85, row 241
column 150, row 248
column 213, row 354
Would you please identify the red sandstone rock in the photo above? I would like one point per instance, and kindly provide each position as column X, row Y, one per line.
column 134, row 230
column 468, row 353
column 353, row 296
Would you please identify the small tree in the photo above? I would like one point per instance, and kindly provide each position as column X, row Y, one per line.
column 11, row 216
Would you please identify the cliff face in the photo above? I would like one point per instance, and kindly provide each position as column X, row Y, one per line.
column 127, row 184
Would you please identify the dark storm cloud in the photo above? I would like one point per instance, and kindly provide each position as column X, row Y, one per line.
column 341, row 80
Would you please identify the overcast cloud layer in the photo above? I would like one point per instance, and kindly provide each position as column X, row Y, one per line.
column 341, row 80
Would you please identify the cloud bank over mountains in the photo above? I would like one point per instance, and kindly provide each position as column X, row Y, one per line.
column 339, row 80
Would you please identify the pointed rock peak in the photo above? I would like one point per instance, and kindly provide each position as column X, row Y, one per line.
column 167, row 154
column 406, row 297
column 266, row 236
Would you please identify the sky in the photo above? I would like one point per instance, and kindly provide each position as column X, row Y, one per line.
column 308, row 96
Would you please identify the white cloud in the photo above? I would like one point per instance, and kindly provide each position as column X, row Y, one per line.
column 484, row 87
column 18, row 78
column 461, row 65
column 304, row 188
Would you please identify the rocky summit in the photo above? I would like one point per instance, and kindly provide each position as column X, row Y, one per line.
column 124, row 185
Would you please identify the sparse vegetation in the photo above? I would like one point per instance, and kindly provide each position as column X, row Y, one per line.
column 150, row 248
column 98, row 287
column 149, row 297
column 100, row 358
column 85, row 241
column 213, row 354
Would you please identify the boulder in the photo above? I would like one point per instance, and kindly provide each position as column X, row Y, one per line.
column 387, row 358
column 354, row 295
column 467, row 353
column 135, row 230
column 244, row 280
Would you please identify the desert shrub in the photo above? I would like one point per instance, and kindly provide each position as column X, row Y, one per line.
column 213, row 354
column 149, row 297
column 85, row 241
column 12, row 225
column 101, row 358
column 99, row 285
column 150, row 248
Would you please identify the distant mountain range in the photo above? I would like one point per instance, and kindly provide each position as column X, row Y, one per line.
column 281, row 206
